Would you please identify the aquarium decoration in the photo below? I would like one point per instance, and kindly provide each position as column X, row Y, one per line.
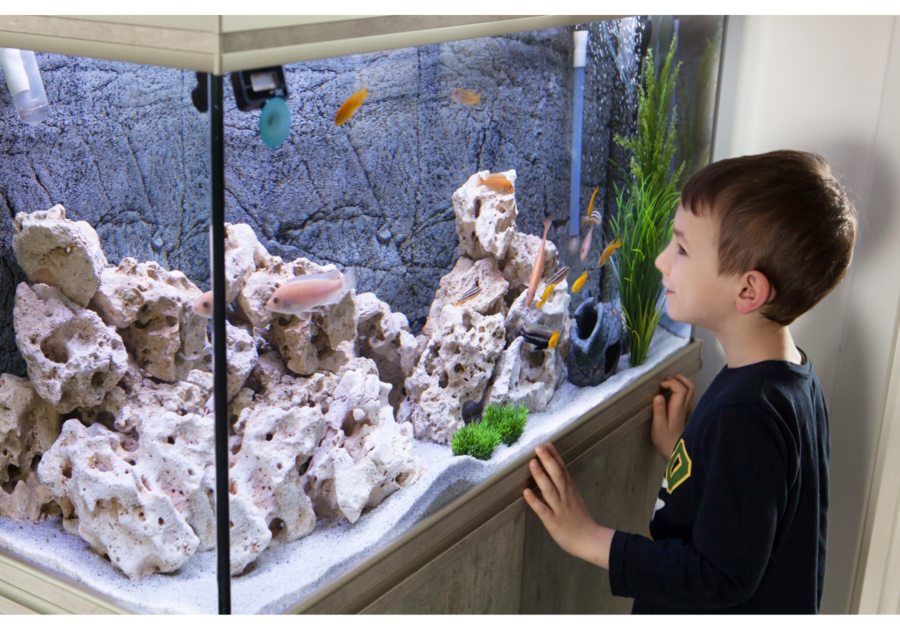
column 500, row 423
column 646, row 207
column 23, row 78
column 595, row 343
column 113, row 422
column 472, row 342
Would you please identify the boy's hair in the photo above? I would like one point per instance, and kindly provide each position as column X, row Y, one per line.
column 781, row 213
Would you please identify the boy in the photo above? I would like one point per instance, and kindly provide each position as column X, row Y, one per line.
column 741, row 520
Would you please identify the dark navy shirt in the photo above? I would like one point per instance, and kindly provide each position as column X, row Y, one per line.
column 741, row 520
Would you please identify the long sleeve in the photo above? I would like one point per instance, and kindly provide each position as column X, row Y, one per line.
column 746, row 483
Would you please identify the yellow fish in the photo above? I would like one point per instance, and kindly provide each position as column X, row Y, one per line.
column 465, row 97
column 553, row 340
column 608, row 252
column 498, row 183
column 349, row 106
column 546, row 294
column 579, row 283
column 590, row 208
column 203, row 306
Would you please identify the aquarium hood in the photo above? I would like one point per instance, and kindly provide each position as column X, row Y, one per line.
column 223, row 43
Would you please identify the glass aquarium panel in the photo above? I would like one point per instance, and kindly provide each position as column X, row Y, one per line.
column 415, row 294
column 386, row 212
column 106, row 445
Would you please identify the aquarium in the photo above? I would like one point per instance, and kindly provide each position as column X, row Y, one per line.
column 420, row 283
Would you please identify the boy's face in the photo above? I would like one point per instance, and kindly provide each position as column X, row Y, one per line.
column 695, row 292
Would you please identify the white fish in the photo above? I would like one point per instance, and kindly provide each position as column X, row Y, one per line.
column 204, row 305
column 302, row 295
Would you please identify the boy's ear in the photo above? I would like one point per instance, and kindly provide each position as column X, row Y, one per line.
column 755, row 291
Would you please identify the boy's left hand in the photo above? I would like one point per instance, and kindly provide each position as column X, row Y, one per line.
column 563, row 511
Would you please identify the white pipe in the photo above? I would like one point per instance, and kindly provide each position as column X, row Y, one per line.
column 23, row 77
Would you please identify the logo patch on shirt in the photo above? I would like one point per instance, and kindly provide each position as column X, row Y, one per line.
column 679, row 467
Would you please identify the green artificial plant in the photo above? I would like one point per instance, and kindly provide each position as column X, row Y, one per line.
column 499, row 423
column 646, row 206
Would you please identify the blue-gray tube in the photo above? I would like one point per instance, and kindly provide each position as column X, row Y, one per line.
column 577, row 116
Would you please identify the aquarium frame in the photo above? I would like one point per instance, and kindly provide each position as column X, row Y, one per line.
column 221, row 44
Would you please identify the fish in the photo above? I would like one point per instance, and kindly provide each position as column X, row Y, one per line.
column 349, row 107
column 576, row 287
column 586, row 245
column 465, row 97
column 560, row 275
column 553, row 340
column 538, row 267
column 302, row 295
column 541, row 337
column 468, row 295
column 546, row 295
column 498, row 183
column 608, row 252
column 204, row 305
column 590, row 208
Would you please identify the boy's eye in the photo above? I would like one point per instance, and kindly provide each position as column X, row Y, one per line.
column 681, row 250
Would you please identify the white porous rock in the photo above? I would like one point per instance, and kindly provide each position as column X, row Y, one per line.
column 527, row 376
column 73, row 358
column 152, row 307
column 242, row 357
column 519, row 261
column 267, row 503
column 58, row 252
column 365, row 455
column 485, row 219
column 28, row 427
column 308, row 346
column 244, row 255
column 145, row 505
column 456, row 367
column 136, row 398
column 465, row 275
column 384, row 337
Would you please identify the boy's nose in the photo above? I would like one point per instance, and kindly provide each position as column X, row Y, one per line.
column 660, row 261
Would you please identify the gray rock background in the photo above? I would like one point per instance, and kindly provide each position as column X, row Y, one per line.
column 125, row 150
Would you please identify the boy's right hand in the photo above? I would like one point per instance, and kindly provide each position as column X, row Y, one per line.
column 669, row 419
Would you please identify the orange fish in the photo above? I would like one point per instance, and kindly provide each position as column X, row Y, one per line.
column 300, row 295
column 608, row 252
column 349, row 106
column 591, row 209
column 538, row 269
column 203, row 306
column 498, row 183
column 465, row 97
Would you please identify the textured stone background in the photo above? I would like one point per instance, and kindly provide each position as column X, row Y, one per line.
column 125, row 150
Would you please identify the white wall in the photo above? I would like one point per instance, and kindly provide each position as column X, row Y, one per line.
column 816, row 84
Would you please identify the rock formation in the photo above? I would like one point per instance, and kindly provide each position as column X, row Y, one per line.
column 475, row 346
column 152, row 309
column 55, row 251
column 73, row 358
column 28, row 427
column 384, row 337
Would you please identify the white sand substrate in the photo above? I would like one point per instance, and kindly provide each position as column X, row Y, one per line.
column 284, row 575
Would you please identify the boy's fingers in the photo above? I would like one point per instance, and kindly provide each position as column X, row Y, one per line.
column 548, row 489
column 553, row 470
column 659, row 410
column 555, row 454
column 536, row 504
